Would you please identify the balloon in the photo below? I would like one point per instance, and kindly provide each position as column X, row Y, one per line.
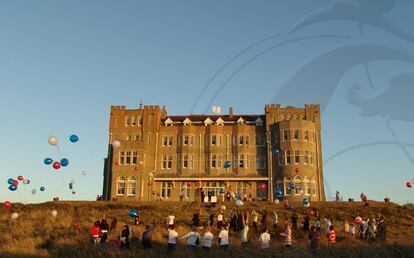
column 15, row 182
column 33, row 191
column 7, row 205
column 409, row 184
column 262, row 187
column 278, row 192
column 311, row 213
column 276, row 152
column 223, row 207
column 136, row 168
column 73, row 192
column 277, row 201
column 70, row 186
column 73, row 138
column 291, row 186
column 75, row 225
column 227, row 164
column 54, row 213
column 297, row 170
column 116, row 144
column 10, row 181
column 84, row 172
column 12, row 188
column 14, row 215
column 357, row 221
column 239, row 203
column 64, row 162
column 27, row 181
column 305, row 201
column 133, row 213
column 48, row 161
column 20, row 178
column 42, row 189
column 52, row 140
column 285, row 203
column 56, row 165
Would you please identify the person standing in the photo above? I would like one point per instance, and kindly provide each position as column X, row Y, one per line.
column 264, row 239
column 255, row 218
column 125, row 237
column 170, row 219
column 193, row 238
column 294, row 219
column 275, row 220
column 220, row 220
column 172, row 239
column 224, row 238
column 331, row 236
column 113, row 225
column 306, row 223
column 147, row 235
column 207, row 239
column 287, row 236
column 314, row 240
column 104, row 231
column 211, row 218
column 95, row 233
column 245, row 229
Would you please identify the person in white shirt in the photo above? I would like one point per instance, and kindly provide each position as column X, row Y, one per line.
column 220, row 220
column 264, row 239
column 224, row 238
column 275, row 220
column 172, row 239
column 207, row 239
column 170, row 219
column 245, row 230
column 192, row 238
column 255, row 216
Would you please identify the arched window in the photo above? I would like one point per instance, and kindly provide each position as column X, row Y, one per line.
column 120, row 186
column 132, row 186
column 307, row 184
column 313, row 184
column 286, row 182
column 298, row 185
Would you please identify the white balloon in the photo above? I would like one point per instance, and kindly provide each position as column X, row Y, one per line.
column 33, row 191
column 54, row 213
column 277, row 201
column 14, row 215
column 116, row 144
column 84, row 172
column 239, row 203
column 223, row 207
column 52, row 140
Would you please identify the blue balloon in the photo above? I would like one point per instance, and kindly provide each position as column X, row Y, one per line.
column 10, row 181
column 227, row 164
column 305, row 201
column 42, row 189
column 291, row 186
column 27, row 181
column 70, row 186
column 12, row 188
column 133, row 213
column 64, row 162
column 48, row 161
column 73, row 138
column 276, row 152
column 222, row 191
column 278, row 192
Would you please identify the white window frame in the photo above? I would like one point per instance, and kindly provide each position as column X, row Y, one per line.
column 165, row 190
column 120, row 185
column 132, row 186
column 297, row 156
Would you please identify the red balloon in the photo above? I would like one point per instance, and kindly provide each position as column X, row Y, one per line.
column 189, row 184
column 409, row 184
column 15, row 182
column 75, row 225
column 20, row 178
column 297, row 170
column 311, row 213
column 136, row 168
column 7, row 205
column 56, row 165
column 116, row 163
column 285, row 204
column 262, row 187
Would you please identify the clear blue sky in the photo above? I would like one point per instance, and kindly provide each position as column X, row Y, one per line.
column 64, row 63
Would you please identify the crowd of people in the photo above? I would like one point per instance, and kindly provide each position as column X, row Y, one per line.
column 237, row 222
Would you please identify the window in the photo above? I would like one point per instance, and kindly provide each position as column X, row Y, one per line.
column 243, row 161
column 120, row 186
column 188, row 140
column 215, row 160
column 134, row 158
column 166, row 162
column 286, row 135
column 260, row 162
column 297, row 156
column 260, row 140
column 298, row 185
column 187, row 161
column 311, row 157
column 127, row 121
column 313, row 186
column 241, row 188
column 306, row 157
column 165, row 189
column 286, row 186
column 132, row 120
column 139, row 121
column 185, row 190
column 288, row 158
column 243, row 140
column 307, row 184
column 167, row 141
column 306, row 136
column 132, row 186
column 122, row 157
column 215, row 140
column 128, row 158
column 296, row 135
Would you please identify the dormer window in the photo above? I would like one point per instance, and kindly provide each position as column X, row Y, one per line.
column 208, row 121
column 187, row 121
column 240, row 121
column 259, row 122
column 219, row 121
column 168, row 122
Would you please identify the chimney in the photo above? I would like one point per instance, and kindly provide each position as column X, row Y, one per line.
column 231, row 112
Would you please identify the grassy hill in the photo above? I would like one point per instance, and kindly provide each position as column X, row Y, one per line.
column 37, row 234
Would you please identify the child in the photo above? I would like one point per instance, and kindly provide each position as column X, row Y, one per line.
column 170, row 219
column 207, row 239
column 245, row 229
column 220, row 220
column 287, row 236
column 95, row 233
column 125, row 237
column 255, row 216
column 147, row 235
column 104, row 230
column 346, row 227
column 314, row 240
column 192, row 238
column 331, row 236
column 224, row 238
column 352, row 229
column 172, row 238
column 264, row 239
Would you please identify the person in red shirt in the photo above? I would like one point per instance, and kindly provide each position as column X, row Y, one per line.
column 331, row 236
column 95, row 233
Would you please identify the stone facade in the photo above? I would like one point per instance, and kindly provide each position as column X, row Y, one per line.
column 175, row 158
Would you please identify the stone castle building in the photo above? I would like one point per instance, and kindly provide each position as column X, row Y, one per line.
column 267, row 156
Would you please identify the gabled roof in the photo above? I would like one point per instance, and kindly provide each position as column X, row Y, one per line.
column 219, row 121
column 168, row 121
column 240, row 120
column 187, row 121
column 208, row 121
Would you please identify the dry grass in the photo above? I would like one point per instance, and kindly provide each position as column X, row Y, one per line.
column 37, row 234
